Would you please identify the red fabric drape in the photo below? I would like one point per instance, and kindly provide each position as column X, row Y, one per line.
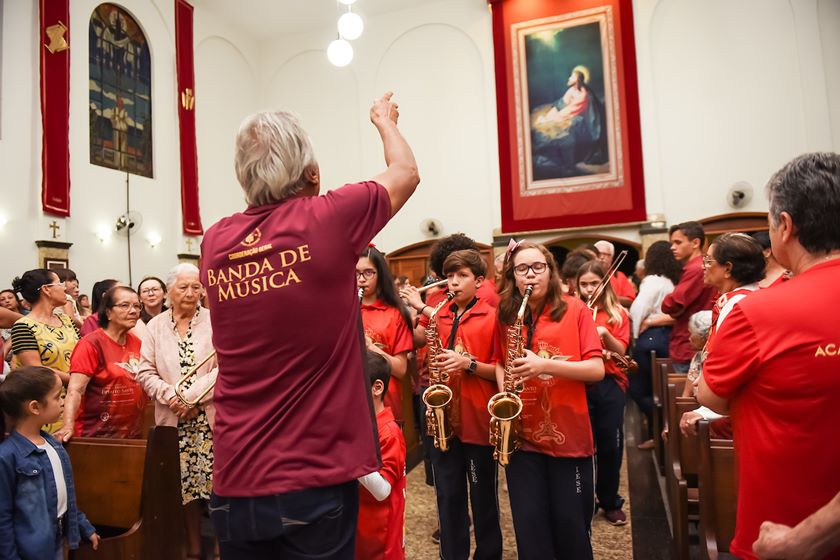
column 55, row 107
column 624, row 199
column 191, row 216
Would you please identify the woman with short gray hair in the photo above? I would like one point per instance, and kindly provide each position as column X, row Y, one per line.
column 174, row 342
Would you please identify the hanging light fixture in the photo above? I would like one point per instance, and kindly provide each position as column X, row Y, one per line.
column 340, row 52
column 350, row 26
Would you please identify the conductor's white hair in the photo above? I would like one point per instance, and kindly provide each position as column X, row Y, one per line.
column 272, row 154
column 179, row 270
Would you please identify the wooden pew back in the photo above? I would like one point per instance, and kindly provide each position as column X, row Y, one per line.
column 718, row 483
column 658, row 368
column 681, row 466
column 133, row 485
column 109, row 479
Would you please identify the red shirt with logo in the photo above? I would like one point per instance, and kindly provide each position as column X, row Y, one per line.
column 476, row 336
column 291, row 390
column 386, row 328
column 380, row 532
column 689, row 296
column 621, row 332
column 622, row 286
column 113, row 402
column 555, row 414
column 776, row 360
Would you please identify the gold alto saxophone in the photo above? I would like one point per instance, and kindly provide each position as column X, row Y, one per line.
column 438, row 396
column 505, row 407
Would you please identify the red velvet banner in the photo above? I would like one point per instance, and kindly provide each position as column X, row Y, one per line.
column 568, row 114
column 191, row 216
column 55, row 106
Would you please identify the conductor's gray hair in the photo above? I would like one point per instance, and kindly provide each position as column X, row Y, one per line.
column 178, row 270
column 273, row 153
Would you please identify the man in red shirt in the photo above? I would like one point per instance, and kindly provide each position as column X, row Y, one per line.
column 690, row 295
column 381, row 529
column 621, row 285
column 289, row 441
column 775, row 365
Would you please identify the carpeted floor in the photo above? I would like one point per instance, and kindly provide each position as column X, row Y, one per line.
column 608, row 542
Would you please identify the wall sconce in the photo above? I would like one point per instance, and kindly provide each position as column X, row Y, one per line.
column 154, row 239
column 3, row 220
column 103, row 233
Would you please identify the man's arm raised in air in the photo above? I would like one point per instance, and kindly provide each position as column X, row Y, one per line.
column 400, row 178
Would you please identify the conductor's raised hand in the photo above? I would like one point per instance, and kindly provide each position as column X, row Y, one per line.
column 384, row 110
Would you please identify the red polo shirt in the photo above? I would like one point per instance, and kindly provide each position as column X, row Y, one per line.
column 386, row 328
column 622, row 286
column 555, row 414
column 487, row 292
column 776, row 360
column 621, row 331
column 476, row 335
column 292, row 395
column 380, row 533
column 689, row 296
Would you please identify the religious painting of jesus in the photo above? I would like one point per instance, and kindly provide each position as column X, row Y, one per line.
column 120, row 92
column 566, row 99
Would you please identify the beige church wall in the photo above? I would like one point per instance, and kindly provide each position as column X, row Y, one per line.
column 730, row 91
column 98, row 193
column 829, row 16
column 438, row 60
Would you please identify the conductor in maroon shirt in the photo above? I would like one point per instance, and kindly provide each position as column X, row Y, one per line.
column 691, row 294
column 289, row 443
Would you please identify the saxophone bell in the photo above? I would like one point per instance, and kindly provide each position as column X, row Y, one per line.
column 438, row 396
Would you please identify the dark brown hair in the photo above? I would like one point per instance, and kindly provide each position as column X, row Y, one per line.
column 108, row 303
column 509, row 297
column 744, row 254
column 467, row 258
column 29, row 383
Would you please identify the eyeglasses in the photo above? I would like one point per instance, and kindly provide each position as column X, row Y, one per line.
column 125, row 306
column 150, row 291
column 368, row 273
column 707, row 261
column 536, row 268
column 53, row 284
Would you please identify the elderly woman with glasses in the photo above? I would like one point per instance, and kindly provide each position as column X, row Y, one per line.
column 175, row 342
column 103, row 398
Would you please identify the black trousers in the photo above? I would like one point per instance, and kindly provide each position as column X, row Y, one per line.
column 606, row 413
column 551, row 499
column 461, row 467
column 302, row 525
column 426, row 440
column 641, row 382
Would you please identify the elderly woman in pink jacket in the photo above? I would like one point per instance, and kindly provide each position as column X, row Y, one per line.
column 175, row 341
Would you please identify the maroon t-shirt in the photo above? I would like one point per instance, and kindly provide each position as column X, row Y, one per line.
column 292, row 399
column 689, row 296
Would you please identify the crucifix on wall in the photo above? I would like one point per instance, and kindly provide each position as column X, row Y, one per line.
column 54, row 227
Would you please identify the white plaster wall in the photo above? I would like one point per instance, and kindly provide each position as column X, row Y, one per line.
column 438, row 59
column 98, row 193
column 729, row 91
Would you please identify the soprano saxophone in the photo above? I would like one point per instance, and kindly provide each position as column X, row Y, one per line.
column 438, row 396
column 506, row 407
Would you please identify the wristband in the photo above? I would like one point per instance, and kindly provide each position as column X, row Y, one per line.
column 421, row 309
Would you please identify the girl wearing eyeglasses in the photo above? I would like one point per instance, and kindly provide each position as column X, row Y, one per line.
column 607, row 398
column 550, row 478
column 43, row 338
column 103, row 397
column 386, row 320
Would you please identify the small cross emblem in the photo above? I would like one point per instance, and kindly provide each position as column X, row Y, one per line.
column 54, row 227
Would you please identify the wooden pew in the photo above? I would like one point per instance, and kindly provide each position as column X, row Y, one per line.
column 658, row 368
column 131, row 492
column 718, row 484
column 682, row 467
